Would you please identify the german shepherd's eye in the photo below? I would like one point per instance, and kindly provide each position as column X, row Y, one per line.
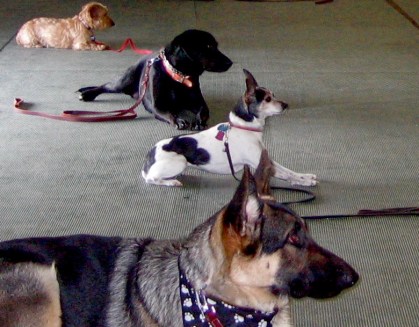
column 293, row 239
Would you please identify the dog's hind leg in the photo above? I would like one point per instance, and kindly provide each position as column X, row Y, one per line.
column 294, row 178
column 164, row 171
column 127, row 83
column 90, row 93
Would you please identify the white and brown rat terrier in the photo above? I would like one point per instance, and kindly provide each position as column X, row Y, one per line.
column 206, row 150
column 67, row 33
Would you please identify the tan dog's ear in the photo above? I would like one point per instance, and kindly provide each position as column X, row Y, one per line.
column 263, row 174
column 243, row 218
column 86, row 15
column 97, row 10
column 96, row 16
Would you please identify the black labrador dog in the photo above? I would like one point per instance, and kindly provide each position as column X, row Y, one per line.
column 170, row 80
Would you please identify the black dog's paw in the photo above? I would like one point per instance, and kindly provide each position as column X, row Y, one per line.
column 182, row 124
column 86, row 98
column 88, row 93
column 199, row 126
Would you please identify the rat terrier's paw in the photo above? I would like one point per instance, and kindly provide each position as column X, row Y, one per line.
column 304, row 180
column 165, row 182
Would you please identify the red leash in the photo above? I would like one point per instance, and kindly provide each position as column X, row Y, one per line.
column 129, row 43
column 95, row 116
column 82, row 116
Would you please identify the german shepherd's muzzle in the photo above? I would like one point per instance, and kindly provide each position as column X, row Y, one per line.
column 251, row 255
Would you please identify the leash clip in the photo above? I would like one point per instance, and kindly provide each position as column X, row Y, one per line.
column 150, row 62
column 202, row 301
column 207, row 310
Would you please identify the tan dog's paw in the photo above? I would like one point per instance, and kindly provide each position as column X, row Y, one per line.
column 99, row 47
column 103, row 47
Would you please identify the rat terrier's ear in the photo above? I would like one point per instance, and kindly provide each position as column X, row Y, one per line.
column 263, row 174
column 251, row 83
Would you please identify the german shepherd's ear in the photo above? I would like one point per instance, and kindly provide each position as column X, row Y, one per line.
column 263, row 174
column 251, row 86
column 243, row 218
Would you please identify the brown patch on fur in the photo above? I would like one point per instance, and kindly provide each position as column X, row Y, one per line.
column 243, row 273
column 241, row 220
column 244, row 280
column 29, row 296
column 67, row 33
column 232, row 243
column 263, row 266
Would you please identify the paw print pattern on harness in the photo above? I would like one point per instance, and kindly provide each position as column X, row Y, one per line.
column 187, row 303
column 189, row 316
column 201, row 311
column 238, row 319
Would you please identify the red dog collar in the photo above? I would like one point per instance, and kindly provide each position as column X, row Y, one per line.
column 92, row 36
column 84, row 23
column 251, row 129
column 174, row 73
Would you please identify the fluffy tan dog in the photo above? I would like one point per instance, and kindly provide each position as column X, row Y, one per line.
column 68, row 33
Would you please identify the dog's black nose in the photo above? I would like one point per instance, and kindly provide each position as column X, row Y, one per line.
column 349, row 278
column 223, row 63
column 228, row 64
column 284, row 105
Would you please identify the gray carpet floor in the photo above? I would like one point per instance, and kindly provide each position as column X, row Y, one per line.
column 350, row 72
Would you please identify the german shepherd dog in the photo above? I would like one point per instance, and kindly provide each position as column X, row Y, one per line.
column 207, row 149
column 240, row 266
column 173, row 92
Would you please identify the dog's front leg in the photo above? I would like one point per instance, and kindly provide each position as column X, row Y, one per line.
column 282, row 319
column 90, row 46
column 201, row 119
column 178, row 122
column 99, row 46
column 294, row 178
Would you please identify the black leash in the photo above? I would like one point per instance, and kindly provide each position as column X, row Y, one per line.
column 406, row 211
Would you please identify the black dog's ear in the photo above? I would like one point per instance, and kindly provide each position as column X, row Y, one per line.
column 182, row 58
column 179, row 53
column 263, row 174
column 243, row 218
